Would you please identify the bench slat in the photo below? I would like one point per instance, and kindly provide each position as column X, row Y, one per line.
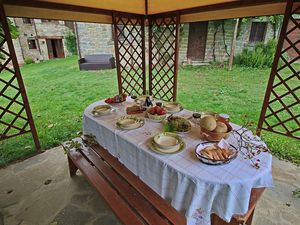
column 117, row 204
column 132, row 197
column 157, row 201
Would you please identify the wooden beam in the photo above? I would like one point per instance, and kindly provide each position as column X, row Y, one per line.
column 220, row 6
column 58, row 6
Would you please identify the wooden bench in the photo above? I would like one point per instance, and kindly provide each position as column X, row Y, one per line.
column 132, row 201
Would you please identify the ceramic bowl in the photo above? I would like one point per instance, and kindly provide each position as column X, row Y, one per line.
column 101, row 110
column 156, row 117
column 167, row 140
column 128, row 123
column 172, row 106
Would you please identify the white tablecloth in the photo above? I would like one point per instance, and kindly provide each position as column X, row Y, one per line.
column 193, row 188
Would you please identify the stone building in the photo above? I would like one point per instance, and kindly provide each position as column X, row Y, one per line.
column 40, row 39
column 199, row 42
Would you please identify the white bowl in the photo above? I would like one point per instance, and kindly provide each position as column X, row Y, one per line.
column 172, row 106
column 166, row 140
column 128, row 123
column 101, row 110
column 156, row 117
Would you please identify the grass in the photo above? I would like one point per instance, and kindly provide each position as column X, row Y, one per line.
column 58, row 93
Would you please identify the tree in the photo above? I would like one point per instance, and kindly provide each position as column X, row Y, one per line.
column 13, row 32
column 71, row 43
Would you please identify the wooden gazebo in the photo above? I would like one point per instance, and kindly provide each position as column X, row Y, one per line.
column 163, row 17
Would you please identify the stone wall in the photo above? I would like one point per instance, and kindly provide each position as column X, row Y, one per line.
column 50, row 29
column 38, row 31
column 183, row 42
column 94, row 38
column 17, row 48
column 220, row 50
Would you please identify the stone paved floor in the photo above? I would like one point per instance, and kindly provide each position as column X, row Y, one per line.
column 39, row 191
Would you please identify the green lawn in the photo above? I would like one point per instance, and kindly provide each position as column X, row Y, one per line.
column 58, row 93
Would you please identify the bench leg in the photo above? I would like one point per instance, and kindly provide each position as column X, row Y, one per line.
column 72, row 167
column 249, row 221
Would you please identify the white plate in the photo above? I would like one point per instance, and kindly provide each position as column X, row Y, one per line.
column 166, row 140
column 173, row 150
column 101, row 110
column 130, row 122
column 173, row 107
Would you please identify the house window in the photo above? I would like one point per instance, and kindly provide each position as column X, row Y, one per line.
column 32, row 44
column 258, row 32
column 26, row 20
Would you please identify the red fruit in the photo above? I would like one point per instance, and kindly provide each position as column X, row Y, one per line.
column 152, row 111
column 160, row 111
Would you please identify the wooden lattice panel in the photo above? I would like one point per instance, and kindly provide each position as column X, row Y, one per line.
column 129, row 38
column 15, row 114
column 281, row 109
column 163, row 57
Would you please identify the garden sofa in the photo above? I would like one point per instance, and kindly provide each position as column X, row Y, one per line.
column 97, row 62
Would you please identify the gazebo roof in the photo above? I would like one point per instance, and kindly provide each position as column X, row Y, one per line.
column 100, row 11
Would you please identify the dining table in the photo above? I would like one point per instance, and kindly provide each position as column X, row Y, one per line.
column 193, row 188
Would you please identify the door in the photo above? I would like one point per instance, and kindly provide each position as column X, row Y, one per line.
column 50, row 49
column 55, row 48
column 197, row 41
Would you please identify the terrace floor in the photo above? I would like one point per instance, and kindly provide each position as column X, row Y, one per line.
column 39, row 191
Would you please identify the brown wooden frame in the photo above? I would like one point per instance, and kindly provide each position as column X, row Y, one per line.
column 271, row 118
column 129, row 39
column 163, row 56
column 22, row 116
column 74, row 8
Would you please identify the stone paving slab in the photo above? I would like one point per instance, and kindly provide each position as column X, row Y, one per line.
column 39, row 191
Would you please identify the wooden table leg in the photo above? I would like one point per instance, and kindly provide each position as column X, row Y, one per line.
column 72, row 167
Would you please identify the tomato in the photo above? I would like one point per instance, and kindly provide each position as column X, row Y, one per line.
column 152, row 111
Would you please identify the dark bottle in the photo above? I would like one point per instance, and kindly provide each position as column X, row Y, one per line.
column 148, row 102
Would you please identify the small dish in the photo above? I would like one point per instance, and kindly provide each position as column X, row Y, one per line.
column 166, row 140
column 101, row 110
column 179, row 124
column 173, row 107
column 156, row 118
column 130, row 122
column 173, row 150
column 200, row 147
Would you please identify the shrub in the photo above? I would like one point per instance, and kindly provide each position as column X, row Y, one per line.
column 28, row 60
column 261, row 56
column 70, row 40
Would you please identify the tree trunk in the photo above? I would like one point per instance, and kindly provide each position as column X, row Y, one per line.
column 233, row 44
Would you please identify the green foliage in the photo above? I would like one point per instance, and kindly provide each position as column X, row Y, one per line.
column 296, row 193
column 13, row 32
column 261, row 56
column 28, row 60
column 71, row 43
column 275, row 22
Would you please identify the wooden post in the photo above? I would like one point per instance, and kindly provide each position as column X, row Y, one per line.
column 275, row 73
column 21, row 89
column 233, row 44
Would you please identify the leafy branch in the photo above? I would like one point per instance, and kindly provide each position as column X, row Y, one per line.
column 13, row 32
